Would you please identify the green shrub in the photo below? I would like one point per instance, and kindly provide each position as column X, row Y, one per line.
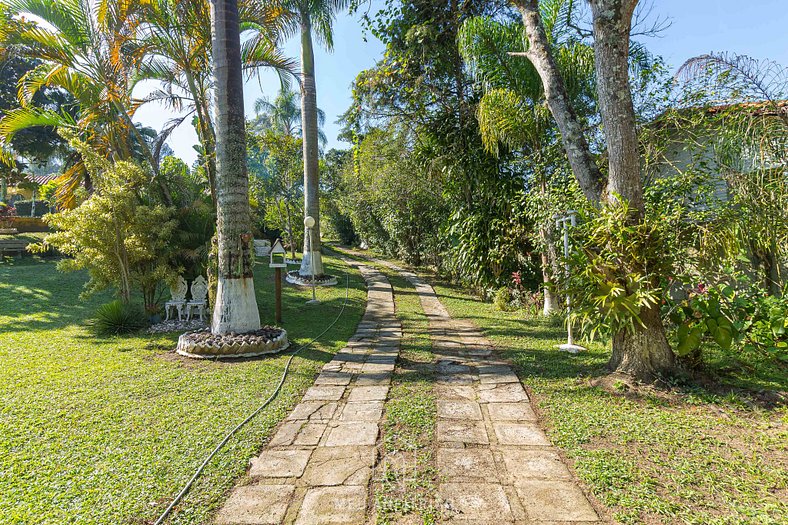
column 118, row 317
column 503, row 299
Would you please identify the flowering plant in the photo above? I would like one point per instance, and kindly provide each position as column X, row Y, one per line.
column 7, row 214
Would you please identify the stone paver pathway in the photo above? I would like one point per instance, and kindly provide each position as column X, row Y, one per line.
column 495, row 464
column 317, row 467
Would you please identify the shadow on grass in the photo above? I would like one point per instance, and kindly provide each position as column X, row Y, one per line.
column 35, row 296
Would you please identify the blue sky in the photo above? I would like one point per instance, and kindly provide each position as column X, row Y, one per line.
column 756, row 28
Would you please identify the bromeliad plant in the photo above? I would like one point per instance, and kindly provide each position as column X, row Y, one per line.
column 614, row 268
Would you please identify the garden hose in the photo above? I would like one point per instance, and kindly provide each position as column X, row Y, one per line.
column 276, row 391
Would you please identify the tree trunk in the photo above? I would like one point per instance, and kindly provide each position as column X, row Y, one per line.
column 312, row 259
column 575, row 144
column 236, row 307
column 550, row 272
column 646, row 352
column 612, row 19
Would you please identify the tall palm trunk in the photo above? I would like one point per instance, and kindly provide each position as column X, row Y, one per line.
column 236, row 308
column 312, row 259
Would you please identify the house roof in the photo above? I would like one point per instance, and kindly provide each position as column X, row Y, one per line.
column 764, row 108
column 777, row 108
column 41, row 179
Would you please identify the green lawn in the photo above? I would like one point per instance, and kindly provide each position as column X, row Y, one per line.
column 29, row 237
column 681, row 455
column 406, row 489
column 106, row 430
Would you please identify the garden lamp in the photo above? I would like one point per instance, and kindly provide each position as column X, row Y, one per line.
column 309, row 222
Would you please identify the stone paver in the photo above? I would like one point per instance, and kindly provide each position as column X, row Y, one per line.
column 358, row 433
column 477, row 501
column 256, row 505
column 467, row 464
column 340, row 466
column 333, row 506
column 555, row 500
column 280, row 463
column 325, row 449
column 454, row 409
column 362, row 411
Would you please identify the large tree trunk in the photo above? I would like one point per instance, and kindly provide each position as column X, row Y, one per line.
column 646, row 352
column 312, row 259
column 236, row 307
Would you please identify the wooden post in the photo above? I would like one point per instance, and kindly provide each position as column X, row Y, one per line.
column 278, row 291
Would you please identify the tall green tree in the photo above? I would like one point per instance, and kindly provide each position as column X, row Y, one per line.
column 315, row 19
column 283, row 115
column 235, row 308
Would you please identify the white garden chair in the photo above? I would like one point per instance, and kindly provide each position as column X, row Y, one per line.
column 177, row 300
column 262, row 247
column 199, row 298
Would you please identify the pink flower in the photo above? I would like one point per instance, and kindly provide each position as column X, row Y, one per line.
column 517, row 278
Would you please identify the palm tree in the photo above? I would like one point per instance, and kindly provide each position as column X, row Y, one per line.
column 86, row 49
column 314, row 16
column 283, row 115
column 236, row 307
column 512, row 109
column 176, row 38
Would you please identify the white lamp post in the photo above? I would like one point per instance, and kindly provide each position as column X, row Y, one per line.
column 569, row 219
column 309, row 222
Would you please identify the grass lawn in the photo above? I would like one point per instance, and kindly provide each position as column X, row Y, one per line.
column 407, row 481
column 29, row 237
column 681, row 455
column 107, row 430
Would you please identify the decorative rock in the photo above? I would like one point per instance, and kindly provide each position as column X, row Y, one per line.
column 176, row 326
column 206, row 345
column 295, row 277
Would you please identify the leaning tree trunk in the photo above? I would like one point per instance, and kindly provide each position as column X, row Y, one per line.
column 312, row 259
column 236, row 307
column 645, row 352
